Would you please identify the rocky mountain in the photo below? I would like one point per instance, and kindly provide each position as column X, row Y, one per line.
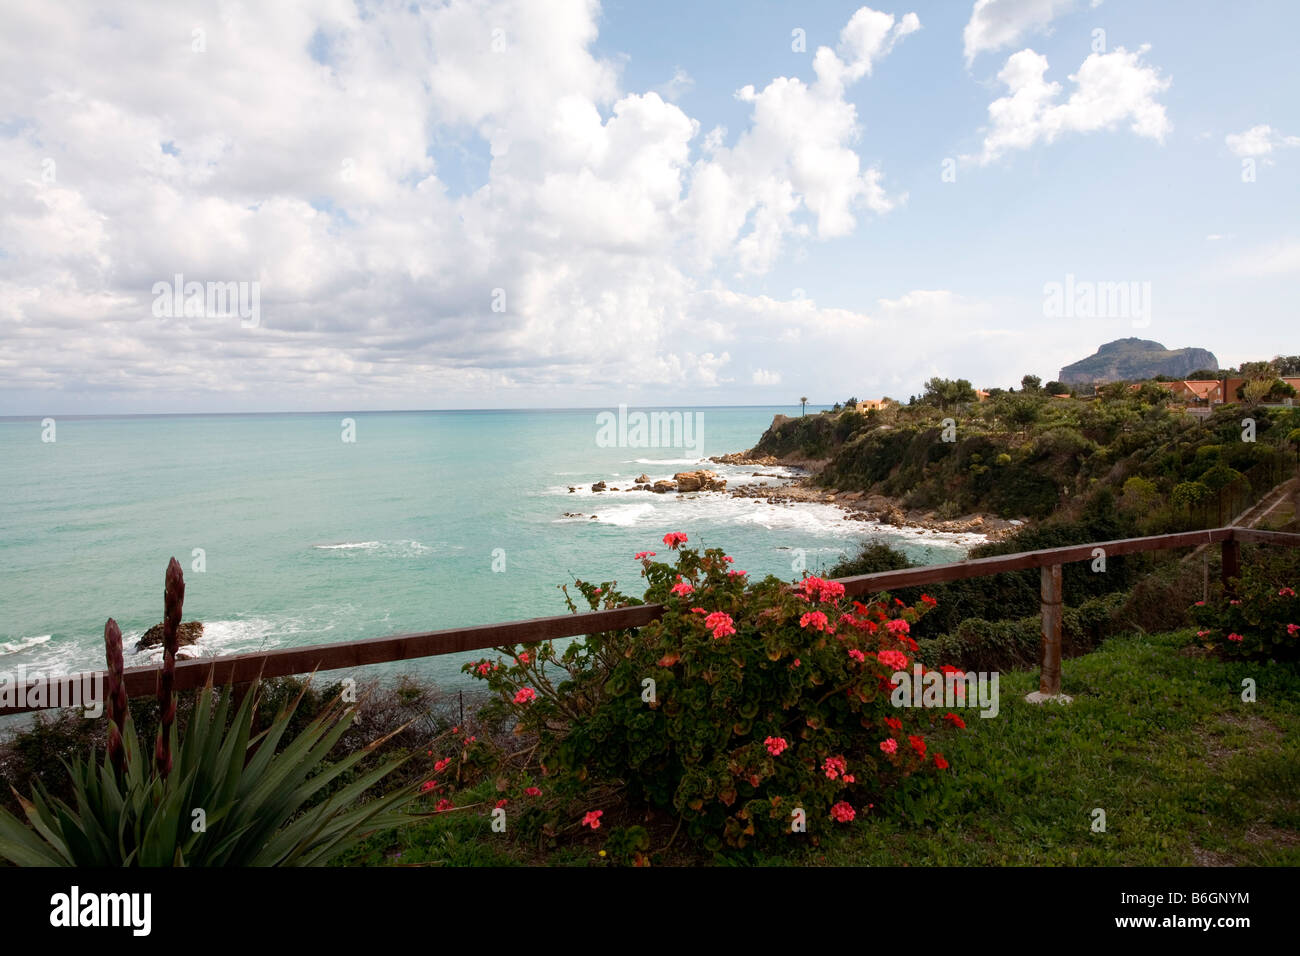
column 1126, row 360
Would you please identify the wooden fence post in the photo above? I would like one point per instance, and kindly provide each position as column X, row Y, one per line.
column 1231, row 561
column 1049, row 680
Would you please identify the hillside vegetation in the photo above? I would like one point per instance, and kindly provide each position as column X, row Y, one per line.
column 1028, row 454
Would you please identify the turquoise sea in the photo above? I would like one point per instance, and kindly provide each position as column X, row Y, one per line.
column 307, row 538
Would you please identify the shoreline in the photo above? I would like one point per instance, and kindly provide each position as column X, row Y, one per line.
column 858, row 505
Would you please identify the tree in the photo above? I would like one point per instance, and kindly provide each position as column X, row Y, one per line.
column 945, row 392
column 1187, row 495
column 803, row 405
column 1205, row 375
column 1287, row 365
column 1031, row 383
column 1057, row 388
column 1022, row 410
column 1222, row 478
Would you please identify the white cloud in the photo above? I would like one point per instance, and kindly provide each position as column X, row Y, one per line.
column 762, row 376
column 300, row 149
column 997, row 24
column 1110, row 89
column 796, row 155
column 1258, row 141
column 679, row 83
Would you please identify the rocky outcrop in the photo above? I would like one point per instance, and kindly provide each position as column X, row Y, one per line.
column 1133, row 359
column 598, row 486
column 743, row 458
column 188, row 633
column 702, row 480
column 643, row 479
column 663, row 487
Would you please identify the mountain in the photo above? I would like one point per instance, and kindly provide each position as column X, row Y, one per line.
column 1126, row 360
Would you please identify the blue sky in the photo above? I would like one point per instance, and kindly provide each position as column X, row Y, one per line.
column 559, row 203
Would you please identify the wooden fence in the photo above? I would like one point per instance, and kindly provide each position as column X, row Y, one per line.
column 243, row 668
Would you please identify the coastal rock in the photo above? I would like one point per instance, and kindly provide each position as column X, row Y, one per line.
column 663, row 487
column 743, row 458
column 702, row 480
column 572, row 488
column 188, row 633
column 643, row 479
column 893, row 515
column 598, row 486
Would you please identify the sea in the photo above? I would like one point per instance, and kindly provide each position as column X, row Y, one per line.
column 297, row 529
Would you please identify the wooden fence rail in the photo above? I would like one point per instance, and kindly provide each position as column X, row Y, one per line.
column 283, row 662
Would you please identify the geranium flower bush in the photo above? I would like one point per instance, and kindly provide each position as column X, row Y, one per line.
column 1260, row 621
column 747, row 708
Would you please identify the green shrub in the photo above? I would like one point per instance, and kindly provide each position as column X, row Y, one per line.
column 767, row 698
column 1259, row 619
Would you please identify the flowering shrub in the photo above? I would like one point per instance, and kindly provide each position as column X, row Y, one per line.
column 1260, row 622
column 744, row 703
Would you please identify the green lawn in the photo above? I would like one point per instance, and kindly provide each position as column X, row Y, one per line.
column 1186, row 772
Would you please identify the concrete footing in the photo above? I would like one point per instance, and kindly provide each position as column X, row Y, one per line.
column 1038, row 697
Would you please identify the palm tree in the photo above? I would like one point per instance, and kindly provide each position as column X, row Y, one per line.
column 803, row 405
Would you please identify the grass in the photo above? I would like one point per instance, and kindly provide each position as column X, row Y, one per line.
column 1157, row 737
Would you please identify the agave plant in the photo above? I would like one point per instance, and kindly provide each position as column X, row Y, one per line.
column 230, row 798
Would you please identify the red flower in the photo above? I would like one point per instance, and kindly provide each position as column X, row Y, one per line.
column 526, row 695
column 955, row 720
column 428, row 785
column 817, row 589
column 834, row 767
column 592, row 819
column 502, row 802
column 674, row 538
column 928, row 601
column 720, row 624
column 441, row 765
column 775, row 745
column 1236, row 638
column 940, row 762
column 525, row 657
column 843, row 812
column 533, row 791
column 918, row 744
column 681, row 587
column 889, row 746
column 642, row 555
column 817, row 620
column 857, row 655
column 444, row 805
column 894, row 724
column 895, row 659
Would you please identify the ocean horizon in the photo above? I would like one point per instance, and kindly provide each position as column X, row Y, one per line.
column 293, row 531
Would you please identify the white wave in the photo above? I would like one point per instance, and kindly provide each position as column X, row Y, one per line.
column 667, row 461
column 242, row 635
column 401, row 548
column 625, row 516
column 22, row 644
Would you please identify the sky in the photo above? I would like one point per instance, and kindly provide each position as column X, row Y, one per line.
column 223, row 207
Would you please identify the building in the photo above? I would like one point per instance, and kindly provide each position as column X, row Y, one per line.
column 1211, row 392
column 871, row 404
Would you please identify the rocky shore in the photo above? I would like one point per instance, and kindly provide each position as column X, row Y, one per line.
column 783, row 489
